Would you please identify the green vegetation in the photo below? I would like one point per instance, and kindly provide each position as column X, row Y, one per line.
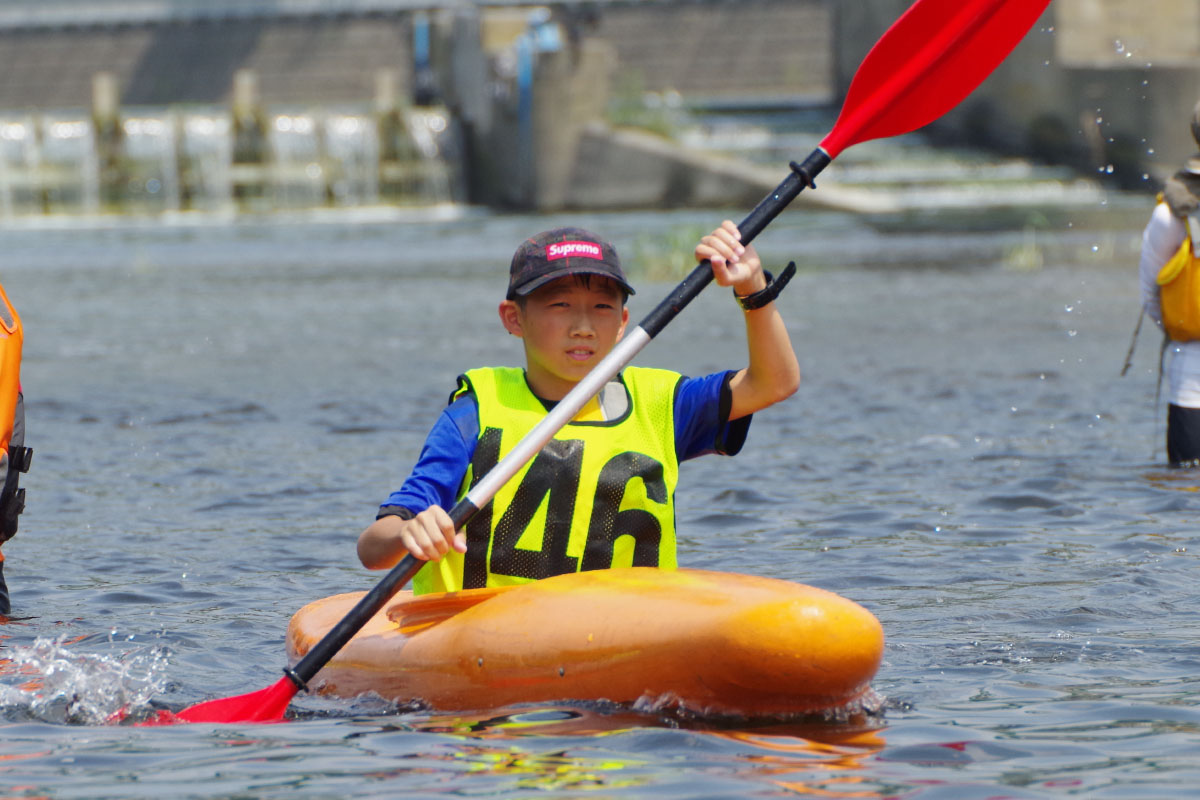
column 631, row 105
column 665, row 256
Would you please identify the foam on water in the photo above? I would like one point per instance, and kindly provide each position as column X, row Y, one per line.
column 50, row 682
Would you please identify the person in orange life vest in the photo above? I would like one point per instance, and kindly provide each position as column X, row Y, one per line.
column 566, row 302
column 1163, row 236
column 14, row 456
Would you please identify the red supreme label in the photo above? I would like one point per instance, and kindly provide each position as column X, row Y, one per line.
column 573, row 250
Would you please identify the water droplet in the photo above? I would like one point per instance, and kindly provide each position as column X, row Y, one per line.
column 1095, row 248
column 1068, row 308
column 1072, row 333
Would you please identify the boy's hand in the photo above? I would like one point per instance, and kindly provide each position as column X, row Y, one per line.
column 772, row 373
column 430, row 535
column 733, row 264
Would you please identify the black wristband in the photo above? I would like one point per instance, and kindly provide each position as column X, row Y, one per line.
column 772, row 290
column 395, row 511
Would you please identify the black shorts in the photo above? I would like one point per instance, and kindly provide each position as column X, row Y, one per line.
column 1183, row 436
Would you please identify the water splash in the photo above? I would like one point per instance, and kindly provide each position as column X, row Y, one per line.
column 49, row 682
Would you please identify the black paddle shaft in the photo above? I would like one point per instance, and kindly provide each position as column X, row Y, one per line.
column 340, row 634
column 352, row 623
column 768, row 208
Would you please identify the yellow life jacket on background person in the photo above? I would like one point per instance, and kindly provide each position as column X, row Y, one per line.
column 600, row 494
column 1179, row 288
column 14, row 456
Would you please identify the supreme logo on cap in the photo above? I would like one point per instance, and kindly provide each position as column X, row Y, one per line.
column 559, row 250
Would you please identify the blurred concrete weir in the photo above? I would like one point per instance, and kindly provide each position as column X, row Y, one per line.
column 251, row 105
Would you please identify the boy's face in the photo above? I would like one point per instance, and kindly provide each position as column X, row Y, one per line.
column 568, row 325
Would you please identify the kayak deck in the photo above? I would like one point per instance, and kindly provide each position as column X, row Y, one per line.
column 709, row 642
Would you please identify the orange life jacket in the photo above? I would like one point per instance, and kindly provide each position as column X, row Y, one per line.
column 11, row 339
column 13, row 454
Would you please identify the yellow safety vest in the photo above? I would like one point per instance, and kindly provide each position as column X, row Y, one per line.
column 600, row 494
column 1179, row 292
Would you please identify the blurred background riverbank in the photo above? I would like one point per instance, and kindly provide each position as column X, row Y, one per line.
column 170, row 108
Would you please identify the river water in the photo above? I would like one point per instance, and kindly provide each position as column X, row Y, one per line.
column 217, row 409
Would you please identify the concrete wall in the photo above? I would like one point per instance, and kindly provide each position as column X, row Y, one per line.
column 771, row 50
column 1136, row 64
column 298, row 61
column 751, row 52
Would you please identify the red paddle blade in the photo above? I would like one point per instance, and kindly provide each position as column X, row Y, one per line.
column 265, row 705
column 926, row 63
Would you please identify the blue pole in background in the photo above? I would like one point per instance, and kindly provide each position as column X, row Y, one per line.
column 424, row 86
column 525, row 109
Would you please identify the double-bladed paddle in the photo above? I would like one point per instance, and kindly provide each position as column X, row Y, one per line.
column 924, row 65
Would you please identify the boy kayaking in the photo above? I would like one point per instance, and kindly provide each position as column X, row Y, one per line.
column 601, row 493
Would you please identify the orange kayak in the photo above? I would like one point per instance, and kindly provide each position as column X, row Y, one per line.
column 710, row 642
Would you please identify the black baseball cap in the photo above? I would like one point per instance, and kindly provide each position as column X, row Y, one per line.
column 563, row 251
